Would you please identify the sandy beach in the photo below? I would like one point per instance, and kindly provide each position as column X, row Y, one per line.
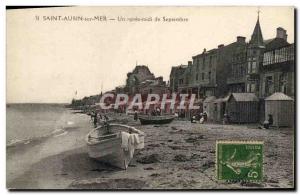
column 179, row 155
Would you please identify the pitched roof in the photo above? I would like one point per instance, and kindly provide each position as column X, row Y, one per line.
column 278, row 96
column 268, row 41
column 244, row 97
column 256, row 37
column 275, row 43
column 219, row 100
column 226, row 98
column 209, row 99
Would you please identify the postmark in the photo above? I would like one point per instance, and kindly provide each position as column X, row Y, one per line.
column 239, row 160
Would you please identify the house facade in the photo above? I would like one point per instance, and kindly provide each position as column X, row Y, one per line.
column 142, row 80
column 278, row 69
column 259, row 66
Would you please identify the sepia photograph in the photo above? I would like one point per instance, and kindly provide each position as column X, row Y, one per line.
column 150, row 98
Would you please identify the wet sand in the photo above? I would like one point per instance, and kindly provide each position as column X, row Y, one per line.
column 179, row 155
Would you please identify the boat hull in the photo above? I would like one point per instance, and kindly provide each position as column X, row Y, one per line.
column 152, row 120
column 108, row 148
column 110, row 153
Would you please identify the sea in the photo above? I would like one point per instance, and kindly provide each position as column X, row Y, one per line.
column 25, row 122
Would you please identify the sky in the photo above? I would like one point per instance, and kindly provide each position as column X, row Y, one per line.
column 48, row 61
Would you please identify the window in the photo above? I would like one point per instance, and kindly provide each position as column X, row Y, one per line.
column 241, row 70
column 197, row 77
column 253, row 67
column 203, row 76
column 269, row 86
column 283, row 82
column 267, row 58
column 180, row 81
column 248, row 88
column 209, row 75
column 253, row 88
column 249, row 67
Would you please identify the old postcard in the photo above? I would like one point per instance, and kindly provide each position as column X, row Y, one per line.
column 150, row 98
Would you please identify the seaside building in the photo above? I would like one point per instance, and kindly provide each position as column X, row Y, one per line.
column 142, row 80
column 156, row 86
column 236, row 65
column 213, row 72
column 139, row 74
column 278, row 67
column 176, row 73
column 259, row 66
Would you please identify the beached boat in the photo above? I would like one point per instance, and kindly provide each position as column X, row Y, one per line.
column 164, row 119
column 106, row 144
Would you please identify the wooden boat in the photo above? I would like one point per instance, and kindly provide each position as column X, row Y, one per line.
column 107, row 148
column 164, row 119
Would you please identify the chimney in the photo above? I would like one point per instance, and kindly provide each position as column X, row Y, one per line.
column 221, row 45
column 190, row 63
column 281, row 33
column 204, row 50
column 241, row 39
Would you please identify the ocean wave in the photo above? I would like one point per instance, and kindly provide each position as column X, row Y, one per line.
column 64, row 133
column 54, row 133
column 57, row 131
column 14, row 141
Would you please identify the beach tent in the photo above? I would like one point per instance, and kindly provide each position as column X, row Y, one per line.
column 243, row 108
column 208, row 107
column 281, row 107
column 219, row 109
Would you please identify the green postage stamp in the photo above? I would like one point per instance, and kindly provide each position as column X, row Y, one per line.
column 239, row 160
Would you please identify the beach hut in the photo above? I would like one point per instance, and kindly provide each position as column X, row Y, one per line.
column 208, row 107
column 281, row 107
column 243, row 108
column 219, row 109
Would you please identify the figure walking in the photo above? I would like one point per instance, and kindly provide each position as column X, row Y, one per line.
column 95, row 119
column 135, row 115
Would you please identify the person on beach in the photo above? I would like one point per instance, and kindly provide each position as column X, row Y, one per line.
column 270, row 120
column 92, row 116
column 225, row 119
column 205, row 116
column 105, row 118
column 176, row 114
column 135, row 115
column 201, row 120
column 158, row 111
column 195, row 118
column 95, row 119
column 153, row 113
column 267, row 123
